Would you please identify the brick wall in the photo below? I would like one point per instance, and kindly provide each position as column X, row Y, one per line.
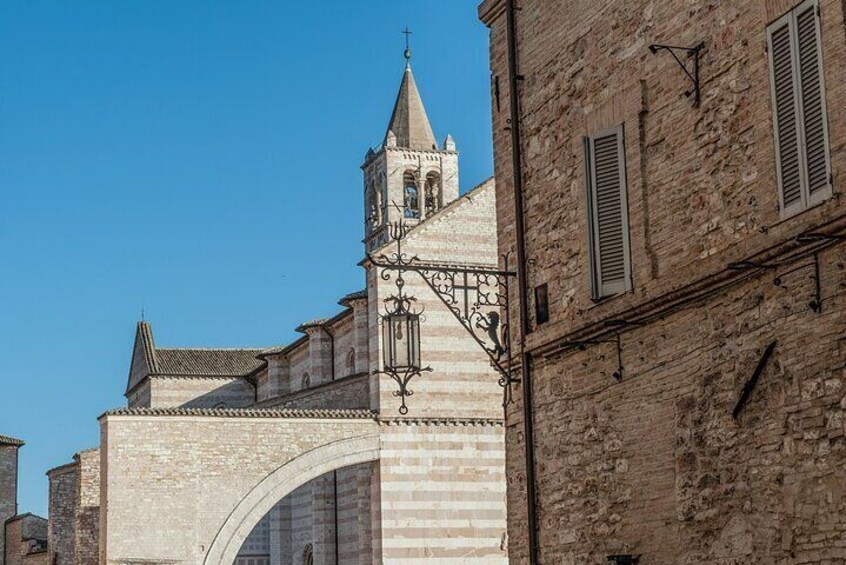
column 655, row 464
column 64, row 486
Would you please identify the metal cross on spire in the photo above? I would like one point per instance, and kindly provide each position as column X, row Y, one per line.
column 407, row 32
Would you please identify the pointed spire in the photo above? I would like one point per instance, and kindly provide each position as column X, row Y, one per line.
column 409, row 123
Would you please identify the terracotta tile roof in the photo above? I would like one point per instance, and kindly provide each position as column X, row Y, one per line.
column 207, row 362
column 6, row 440
column 315, row 323
column 358, row 295
column 247, row 413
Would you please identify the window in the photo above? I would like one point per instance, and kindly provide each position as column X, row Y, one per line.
column 799, row 117
column 411, row 196
column 541, row 304
column 372, row 207
column 306, row 381
column 308, row 555
column 608, row 214
column 433, row 193
column 351, row 362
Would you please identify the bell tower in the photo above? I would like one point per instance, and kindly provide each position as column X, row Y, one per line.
column 410, row 177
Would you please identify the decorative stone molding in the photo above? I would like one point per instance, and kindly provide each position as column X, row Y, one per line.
column 245, row 413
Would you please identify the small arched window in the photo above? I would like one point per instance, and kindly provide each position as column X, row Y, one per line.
column 411, row 195
column 306, row 381
column 351, row 362
column 433, row 193
column 371, row 208
column 308, row 555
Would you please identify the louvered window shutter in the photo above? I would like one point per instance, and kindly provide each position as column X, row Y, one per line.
column 801, row 131
column 814, row 126
column 610, row 255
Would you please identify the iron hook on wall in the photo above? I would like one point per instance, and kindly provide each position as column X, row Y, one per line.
column 693, row 74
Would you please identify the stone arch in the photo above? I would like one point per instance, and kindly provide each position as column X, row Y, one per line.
column 433, row 193
column 278, row 484
column 411, row 195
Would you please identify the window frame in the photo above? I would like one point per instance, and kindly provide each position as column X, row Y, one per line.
column 807, row 200
column 599, row 293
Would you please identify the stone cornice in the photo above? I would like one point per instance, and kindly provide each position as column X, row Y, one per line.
column 63, row 469
column 285, row 413
column 7, row 440
column 490, row 10
column 436, row 421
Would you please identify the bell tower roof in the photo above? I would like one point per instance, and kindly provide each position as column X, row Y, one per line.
column 409, row 123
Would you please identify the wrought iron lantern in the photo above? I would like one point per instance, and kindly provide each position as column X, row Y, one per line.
column 475, row 296
column 401, row 341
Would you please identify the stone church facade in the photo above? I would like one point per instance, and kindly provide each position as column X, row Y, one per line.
column 296, row 454
column 685, row 278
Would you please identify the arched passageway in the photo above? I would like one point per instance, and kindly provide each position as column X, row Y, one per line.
column 200, row 480
column 282, row 482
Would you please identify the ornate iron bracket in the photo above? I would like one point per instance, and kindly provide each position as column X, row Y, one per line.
column 692, row 74
column 402, row 378
column 475, row 296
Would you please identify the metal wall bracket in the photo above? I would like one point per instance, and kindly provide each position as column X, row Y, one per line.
column 750, row 384
column 692, row 53
column 817, row 303
column 618, row 343
column 475, row 296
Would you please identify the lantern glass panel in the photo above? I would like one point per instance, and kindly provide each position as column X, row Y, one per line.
column 401, row 341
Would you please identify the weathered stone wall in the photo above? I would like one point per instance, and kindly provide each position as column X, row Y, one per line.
column 201, row 392
column 26, row 538
column 8, row 488
column 655, row 464
column 86, row 544
column 61, row 535
column 139, row 396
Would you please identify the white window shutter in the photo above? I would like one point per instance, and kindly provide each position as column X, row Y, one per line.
column 608, row 213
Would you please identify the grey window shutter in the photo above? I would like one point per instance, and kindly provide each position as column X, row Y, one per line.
column 815, row 130
column 608, row 213
column 786, row 116
column 801, row 129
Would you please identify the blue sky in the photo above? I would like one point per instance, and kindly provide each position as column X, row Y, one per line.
column 199, row 159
